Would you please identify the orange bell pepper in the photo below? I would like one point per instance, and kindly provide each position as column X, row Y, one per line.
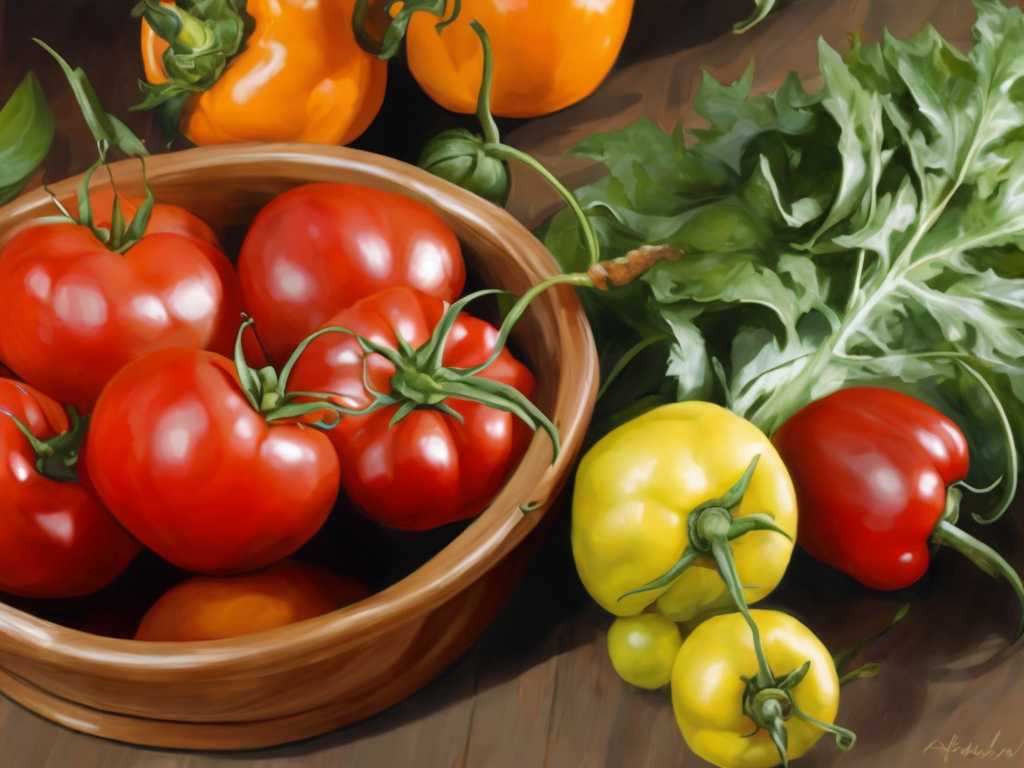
column 299, row 75
column 548, row 54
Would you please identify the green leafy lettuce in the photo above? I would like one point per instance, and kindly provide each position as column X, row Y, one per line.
column 871, row 232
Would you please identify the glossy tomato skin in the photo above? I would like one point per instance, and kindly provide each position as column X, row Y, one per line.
column 871, row 467
column 319, row 248
column 428, row 469
column 56, row 539
column 218, row 607
column 197, row 475
column 73, row 313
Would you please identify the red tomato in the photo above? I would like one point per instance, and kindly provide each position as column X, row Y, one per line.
column 428, row 469
column 73, row 313
column 56, row 539
column 197, row 474
column 217, row 607
column 319, row 248
column 163, row 218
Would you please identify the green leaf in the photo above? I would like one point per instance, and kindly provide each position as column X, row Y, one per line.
column 872, row 232
column 26, row 132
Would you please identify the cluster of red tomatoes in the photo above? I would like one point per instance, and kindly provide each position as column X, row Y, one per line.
column 223, row 409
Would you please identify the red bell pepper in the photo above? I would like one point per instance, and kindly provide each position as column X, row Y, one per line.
column 876, row 474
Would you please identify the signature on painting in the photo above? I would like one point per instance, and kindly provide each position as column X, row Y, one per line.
column 955, row 748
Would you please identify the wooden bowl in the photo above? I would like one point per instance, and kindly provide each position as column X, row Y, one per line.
column 314, row 676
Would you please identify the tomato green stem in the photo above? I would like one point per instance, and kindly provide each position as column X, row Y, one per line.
column 616, row 272
column 57, row 458
column 771, row 706
column 845, row 738
column 108, row 132
column 505, row 152
column 420, row 380
column 771, row 716
column 494, row 148
column 483, row 101
column 727, row 570
column 710, row 528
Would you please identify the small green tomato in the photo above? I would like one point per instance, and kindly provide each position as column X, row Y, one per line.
column 643, row 649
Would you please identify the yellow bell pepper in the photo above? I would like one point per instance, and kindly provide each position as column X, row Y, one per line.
column 298, row 76
column 666, row 501
column 737, row 710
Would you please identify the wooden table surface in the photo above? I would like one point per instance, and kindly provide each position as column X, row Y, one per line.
column 538, row 689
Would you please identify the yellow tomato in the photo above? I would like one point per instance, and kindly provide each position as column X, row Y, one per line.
column 643, row 649
column 634, row 494
column 708, row 692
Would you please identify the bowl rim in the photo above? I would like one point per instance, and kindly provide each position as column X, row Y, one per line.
column 494, row 532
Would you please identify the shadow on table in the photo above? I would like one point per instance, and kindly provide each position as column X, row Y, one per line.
column 955, row 634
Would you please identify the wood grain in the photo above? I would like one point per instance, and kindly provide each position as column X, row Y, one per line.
column 538, row 689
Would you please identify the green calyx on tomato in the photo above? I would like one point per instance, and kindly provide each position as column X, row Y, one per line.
column 264, row 388
column 421, row 381
column 710, row 528
column 57, row 458
column 769, row 702
column 108, row 132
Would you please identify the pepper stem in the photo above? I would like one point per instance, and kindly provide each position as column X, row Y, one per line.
column 983, row 556
column 388, row 46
